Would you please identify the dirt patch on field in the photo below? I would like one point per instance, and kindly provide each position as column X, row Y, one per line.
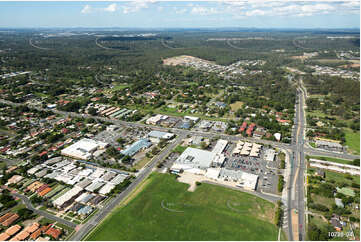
column 190, row 179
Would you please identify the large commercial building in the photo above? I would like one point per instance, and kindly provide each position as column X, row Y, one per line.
column 193, row 160
column 244, row 179
column 83, row 149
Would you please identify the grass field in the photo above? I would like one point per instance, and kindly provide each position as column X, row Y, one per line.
column 353, row 140
column 349, row 162
column 120, row 87
column 201, row 215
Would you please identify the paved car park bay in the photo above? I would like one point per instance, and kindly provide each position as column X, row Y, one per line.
column 266, row 170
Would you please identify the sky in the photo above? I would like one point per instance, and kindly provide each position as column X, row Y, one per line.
column 182, row 14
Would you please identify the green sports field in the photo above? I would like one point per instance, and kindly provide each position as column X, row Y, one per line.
column 165, row 210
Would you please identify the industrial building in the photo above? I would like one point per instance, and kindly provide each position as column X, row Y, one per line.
column 197, row 161
column 156, row 119
column 106, row 189
column 136, row 147
column 83, row 149
column 155, row 136
column 328, row 145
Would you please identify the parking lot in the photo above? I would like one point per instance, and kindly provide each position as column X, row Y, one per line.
column 109, row 137
column 168, row 162
column 268, row 178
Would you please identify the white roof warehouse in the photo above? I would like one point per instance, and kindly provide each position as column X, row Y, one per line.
column 83, row 149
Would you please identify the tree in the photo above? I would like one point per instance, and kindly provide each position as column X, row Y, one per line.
column 127, row 159
column 25, row 213
column 92, row 111
column 36, row 199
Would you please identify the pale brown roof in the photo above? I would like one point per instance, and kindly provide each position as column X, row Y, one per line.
column 32, row 228
column 4, row 236
column 22, row 235
column 10, row 220
column 13, row 229
column 5, row 217
column 42, row 239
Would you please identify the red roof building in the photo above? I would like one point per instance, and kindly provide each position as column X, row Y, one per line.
column 243, row 127
column 36, row 234
column 53, row 232
column 250, row 129
column 43, row 153
column 40, row 189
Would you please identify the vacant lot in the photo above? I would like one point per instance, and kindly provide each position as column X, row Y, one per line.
column 237, row 105
column 164, row 210
column 339, row 177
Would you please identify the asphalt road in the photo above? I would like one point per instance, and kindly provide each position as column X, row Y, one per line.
column 41, row 212
column 102, row 213
column 300, row 196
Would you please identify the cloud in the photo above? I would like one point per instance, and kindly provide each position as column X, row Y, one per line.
column 135, row 6
column 180, row 10
column 291, row 8
column 204, row 10
column 351, row 4
column 111, row 8
column 256, row 12
column 86, row 9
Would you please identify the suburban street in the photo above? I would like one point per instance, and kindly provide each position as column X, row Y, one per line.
column 28, row 204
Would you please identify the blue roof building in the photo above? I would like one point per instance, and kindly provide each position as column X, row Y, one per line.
column 136, row 147
column 220, row 104
column 185, row 125
column 85, row 210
